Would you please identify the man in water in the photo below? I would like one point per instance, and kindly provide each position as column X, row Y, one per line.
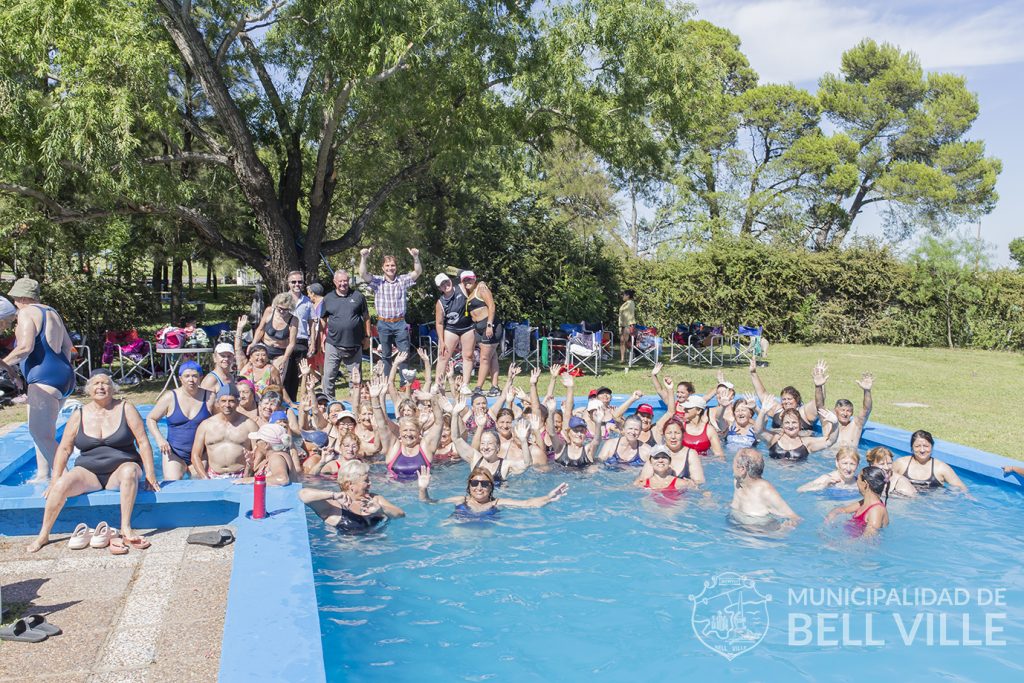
column 753, row 496
column 851, row 426
column 222, row 447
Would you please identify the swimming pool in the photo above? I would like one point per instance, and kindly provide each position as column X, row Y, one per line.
column 599, row 584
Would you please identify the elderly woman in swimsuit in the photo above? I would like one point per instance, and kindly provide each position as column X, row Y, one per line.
column 352, row 508
column 742, row 431
column 789, row 444
column 44, row 350
column 114, row 452
column 479, row 499
column 844, row 476
column 413, row 448
column 185, row 408
column 790, row 397
column 486, row 451
column 627, row 449
column 686, row 463
column 869, row 514
column 922, row 469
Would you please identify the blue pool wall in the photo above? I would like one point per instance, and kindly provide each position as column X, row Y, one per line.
column 272, row 626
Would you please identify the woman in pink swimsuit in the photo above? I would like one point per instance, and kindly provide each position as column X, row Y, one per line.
column 869, row 514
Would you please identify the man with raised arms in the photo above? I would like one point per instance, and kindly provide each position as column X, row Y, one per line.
column 753, row 497
column 222, row 447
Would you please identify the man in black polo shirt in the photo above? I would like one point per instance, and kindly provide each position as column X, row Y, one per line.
column 348, row 326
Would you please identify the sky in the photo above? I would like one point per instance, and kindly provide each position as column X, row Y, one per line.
column 796, row 41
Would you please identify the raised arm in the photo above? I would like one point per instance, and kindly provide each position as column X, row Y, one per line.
column 240, row 356
column 820, row 376
column 866, row 382
column 768, row 405
column 755, row 379
column 619, row 413
column 664, row 392
column 820, row 443
column 364, row 273
column 568, row 381
column 556, row 370
column 506, row 393
column 387, row 429
column 425, row 359
column 417, row 268
column 539, row 501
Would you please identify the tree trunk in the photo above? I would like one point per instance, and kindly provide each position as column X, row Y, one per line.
column 213, row 277
column 189, row 262
column 176, row 291
column 154, row 279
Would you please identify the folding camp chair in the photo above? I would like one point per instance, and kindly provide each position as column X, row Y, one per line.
column 646, row 347
column 133, row 354
column 82, row 362
column 525, row 345
column 748, row 344
column 426, row 339
column 706, row 345
column 584, row 351
column 607, row 344
column 678, row 345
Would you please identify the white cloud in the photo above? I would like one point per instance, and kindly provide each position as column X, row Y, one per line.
column 799, row 40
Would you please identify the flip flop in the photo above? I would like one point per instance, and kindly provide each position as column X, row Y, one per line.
column 214, row 539
column 39, row 623
column 139, row 543
column 80, row 537
column 20, row 631
column 101, row 536
column 117, row 546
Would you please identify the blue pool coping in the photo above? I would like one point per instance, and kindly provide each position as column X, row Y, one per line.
column 272, row 623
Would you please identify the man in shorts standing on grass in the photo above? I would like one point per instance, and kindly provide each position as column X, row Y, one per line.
column 348, row 328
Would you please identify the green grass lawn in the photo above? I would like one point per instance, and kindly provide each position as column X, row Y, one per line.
column 965, row 391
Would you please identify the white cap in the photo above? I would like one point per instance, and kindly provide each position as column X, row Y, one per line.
column 7, row 309
column 271, row 434
column 695, row 401
column 224, row 347
column 441, row 277
column 467, row 275
column 727, row 384
column 345, row 413
column 594, row 404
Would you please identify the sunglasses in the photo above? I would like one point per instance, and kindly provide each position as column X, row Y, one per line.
column 295, row 282
column 479, row 483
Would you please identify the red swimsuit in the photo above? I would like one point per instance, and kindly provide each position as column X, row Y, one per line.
column 698, row 442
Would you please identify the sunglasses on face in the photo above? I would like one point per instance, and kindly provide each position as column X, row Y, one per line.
column 479, row 483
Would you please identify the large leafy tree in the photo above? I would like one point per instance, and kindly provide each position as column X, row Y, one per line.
column 913, row 155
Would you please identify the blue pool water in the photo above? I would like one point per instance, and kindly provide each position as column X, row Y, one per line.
column 597, row 585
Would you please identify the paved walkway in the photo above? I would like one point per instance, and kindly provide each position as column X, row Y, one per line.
column 153, row 615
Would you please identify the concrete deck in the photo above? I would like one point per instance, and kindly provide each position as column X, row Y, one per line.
column 152, row 615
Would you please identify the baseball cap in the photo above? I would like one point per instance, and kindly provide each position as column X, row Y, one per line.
column 271, row 434
column 440, row 278
column 645, row 409
column 577, row 422
column 594, row 404
column 345, row 413
column 317, row 438
column 695, row 401
column 660, row 452
column 604, row 390
column 224, row 347
column 592, row 394
column 727, row 385
column 278, row 415
column 467, row 275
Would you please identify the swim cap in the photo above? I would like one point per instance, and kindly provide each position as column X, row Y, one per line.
column 190, row 365
column 318, row 439
column 278, row 415
column 227, row 390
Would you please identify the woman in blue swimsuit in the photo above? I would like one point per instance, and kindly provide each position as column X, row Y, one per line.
column 479, row 500
column 626, row 449
column 184, row 408
column 44, row 351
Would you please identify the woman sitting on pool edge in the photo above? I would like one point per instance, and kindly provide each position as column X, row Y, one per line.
column 916, row 467
column 352, row 509
column 868, row 514
column 479, row 500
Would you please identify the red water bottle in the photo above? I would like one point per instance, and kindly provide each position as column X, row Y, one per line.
column 259, row 497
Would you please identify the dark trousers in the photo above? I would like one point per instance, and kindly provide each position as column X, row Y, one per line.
column 292, row 377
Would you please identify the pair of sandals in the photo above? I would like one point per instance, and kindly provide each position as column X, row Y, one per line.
column 31, row 629
column 104, row 537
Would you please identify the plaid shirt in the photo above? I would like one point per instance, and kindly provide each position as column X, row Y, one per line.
column 389, row 298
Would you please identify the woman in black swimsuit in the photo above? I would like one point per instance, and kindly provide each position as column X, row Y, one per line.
column 352, row 509
column 454, row 327
column 923, row 470
column 113, row 452
column 480, row 304
column 277, row 330
column 790, row 398
column 788, row 444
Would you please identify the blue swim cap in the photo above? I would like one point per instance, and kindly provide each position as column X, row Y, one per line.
column 318, row 439
column 227, row 390
column 278, row 415
column 190, row 365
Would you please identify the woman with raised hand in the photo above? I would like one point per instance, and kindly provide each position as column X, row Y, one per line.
column 575, row 450
column 922, row 469
column 869, row 514
column 789, row 443
column 479, row 500
column 790, row 398
column 185, row 408
column 742, row 431
column 413, row 448
column 114, row 452
column 352, row 509
column 485, row 451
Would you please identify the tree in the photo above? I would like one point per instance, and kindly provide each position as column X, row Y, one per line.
column 1017, row 251
column 943, row 273
column 909, row 129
